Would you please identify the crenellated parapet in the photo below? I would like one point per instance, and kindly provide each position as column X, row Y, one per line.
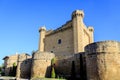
column 42, row 29
column 78, row 13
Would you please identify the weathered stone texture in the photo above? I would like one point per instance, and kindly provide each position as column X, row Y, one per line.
column 24, row 66
column 103, row 60
column 100, row 60
column 65, row 43
column 41, row 64
column 42, row 31
column 81, row 34
column 65, row 48
column 73, row 36
column 63, row 66
column 8, row 63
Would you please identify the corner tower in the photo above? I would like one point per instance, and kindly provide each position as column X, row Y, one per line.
column 77, row 23
column 42, row 32
column 82, row 35
column 91, row 31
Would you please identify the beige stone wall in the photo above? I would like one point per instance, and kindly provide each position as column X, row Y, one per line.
column 41, row 64
column 11, row 59
column 74, row 37
column 8, row 63
column 82, row 34
column 42, row 31
column 86, row 39
column 23, row 66
column 63, row 66
column 65, row 42
column 65, row 48
column 78, row 31
column 103, row 60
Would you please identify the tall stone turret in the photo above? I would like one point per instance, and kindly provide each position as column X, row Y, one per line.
column 42, row 31
column 41, row 60
column 91, row 30
column 78, row 34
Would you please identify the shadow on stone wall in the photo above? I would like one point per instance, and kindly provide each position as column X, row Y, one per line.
column 48, row 72
column 10, row 71
column 25, row 69
column 72, row 67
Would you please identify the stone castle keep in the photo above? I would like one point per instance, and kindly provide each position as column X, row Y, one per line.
column 72, row 43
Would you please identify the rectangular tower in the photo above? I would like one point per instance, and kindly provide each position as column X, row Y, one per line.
column 69, row 39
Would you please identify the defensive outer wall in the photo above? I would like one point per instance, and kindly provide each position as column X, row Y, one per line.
column 41, row 64
column 103, row 60
column 23, row 66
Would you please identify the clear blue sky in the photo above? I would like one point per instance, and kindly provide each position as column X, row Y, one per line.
column 21, row 19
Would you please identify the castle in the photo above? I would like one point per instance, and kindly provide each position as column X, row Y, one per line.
column 70, row 44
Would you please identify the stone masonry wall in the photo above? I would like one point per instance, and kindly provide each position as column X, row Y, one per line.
column 41, row 64
column 65, row 42
column 60, row 43
column 103, row 60
column 63, row 67
column 8, row 63
column 70, row 38
column 24, row 66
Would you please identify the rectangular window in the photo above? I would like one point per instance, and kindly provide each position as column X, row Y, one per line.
column 59, row 41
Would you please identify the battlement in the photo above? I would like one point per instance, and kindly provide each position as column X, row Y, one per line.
column 103, row 46
column 43, row 55
column 91, row 29
column 42, row 29
column 78, row 13
column 66, row 26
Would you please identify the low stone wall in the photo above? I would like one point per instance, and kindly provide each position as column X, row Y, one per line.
column 103, row 60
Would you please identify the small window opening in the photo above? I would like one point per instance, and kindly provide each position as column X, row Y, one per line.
column 59, row 41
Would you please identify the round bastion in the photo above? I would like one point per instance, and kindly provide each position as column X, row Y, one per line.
column 103, row 60
column 41, row 64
